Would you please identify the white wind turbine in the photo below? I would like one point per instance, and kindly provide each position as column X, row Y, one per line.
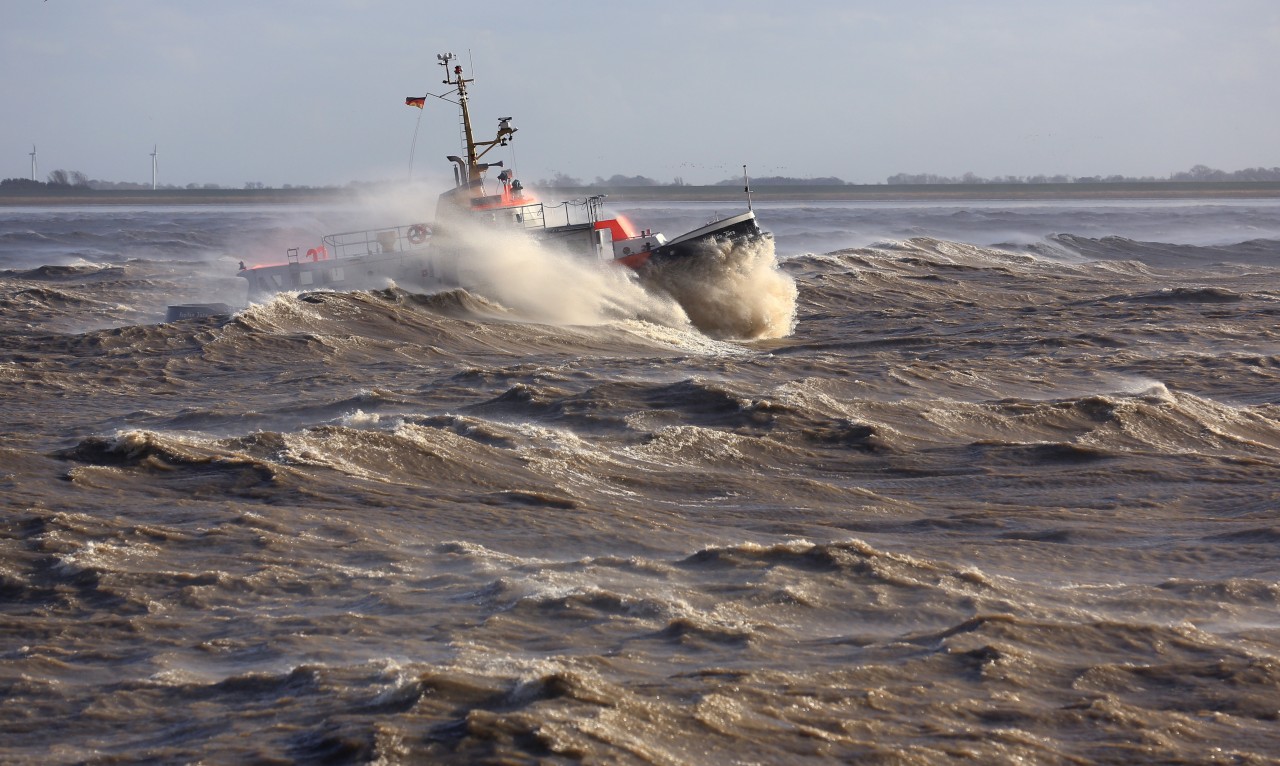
column 33, row 162
column 154, row 149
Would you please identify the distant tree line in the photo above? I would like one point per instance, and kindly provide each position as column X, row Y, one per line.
column 562, row 181
column 784, row 181
column 1199, row 173
column 67, row 180
column 1203, row 173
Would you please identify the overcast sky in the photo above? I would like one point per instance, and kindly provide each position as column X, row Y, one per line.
column 311, row 92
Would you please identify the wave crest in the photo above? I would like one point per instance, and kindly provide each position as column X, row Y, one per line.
column 732, row 290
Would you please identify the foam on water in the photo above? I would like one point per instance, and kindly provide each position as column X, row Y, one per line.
column 732, row 290
column 526, row 521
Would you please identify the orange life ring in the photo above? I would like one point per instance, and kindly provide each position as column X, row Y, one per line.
column 418, row 233
column 318, row 253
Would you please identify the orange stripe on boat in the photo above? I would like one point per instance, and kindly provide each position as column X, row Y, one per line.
column 620, row 227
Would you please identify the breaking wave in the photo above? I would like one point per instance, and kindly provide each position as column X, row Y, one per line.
column 525, row 521
column 731, row 290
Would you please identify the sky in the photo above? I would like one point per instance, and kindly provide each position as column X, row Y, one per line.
column 311, row 92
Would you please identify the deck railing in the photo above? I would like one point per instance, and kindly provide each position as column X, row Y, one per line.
column 529, row 216
column 392, row 239
column 411, row 237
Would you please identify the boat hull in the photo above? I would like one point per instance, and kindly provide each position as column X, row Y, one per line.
column 197, row 311
column 366, row 272
column 437, row 265
column 738, row 228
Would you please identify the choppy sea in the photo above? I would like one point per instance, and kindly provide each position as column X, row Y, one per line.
column 912, row 483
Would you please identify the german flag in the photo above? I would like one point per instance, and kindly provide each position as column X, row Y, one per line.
column 417, row 101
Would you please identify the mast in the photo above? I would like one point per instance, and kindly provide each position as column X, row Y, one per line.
column 474, row 169
column 454, row 77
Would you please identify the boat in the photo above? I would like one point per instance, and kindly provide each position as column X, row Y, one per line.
column 429, row 256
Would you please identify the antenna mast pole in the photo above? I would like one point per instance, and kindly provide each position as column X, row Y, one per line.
column 154, row 148
column 454, row 77
column 474, row 168
column 747, row 186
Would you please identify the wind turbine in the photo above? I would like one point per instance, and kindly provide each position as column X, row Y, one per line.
column 154, row 149
column 33, row 162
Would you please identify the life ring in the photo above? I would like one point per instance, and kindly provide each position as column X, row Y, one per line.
column 418, row 233
column 318, row 253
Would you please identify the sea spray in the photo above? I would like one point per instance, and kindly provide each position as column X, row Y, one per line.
column 542, row 283
column 731, row 290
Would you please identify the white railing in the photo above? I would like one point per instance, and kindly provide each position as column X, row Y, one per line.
column 393, row 239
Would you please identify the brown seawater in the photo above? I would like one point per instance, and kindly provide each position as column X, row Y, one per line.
column 909, row 484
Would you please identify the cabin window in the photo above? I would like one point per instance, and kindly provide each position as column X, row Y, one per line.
column 305, row 278
column 336, row 275
column 278, row 281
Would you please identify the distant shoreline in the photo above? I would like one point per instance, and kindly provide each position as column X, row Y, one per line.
column 763, row 194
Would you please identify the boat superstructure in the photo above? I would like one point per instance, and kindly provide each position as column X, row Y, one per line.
column 428, row 256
